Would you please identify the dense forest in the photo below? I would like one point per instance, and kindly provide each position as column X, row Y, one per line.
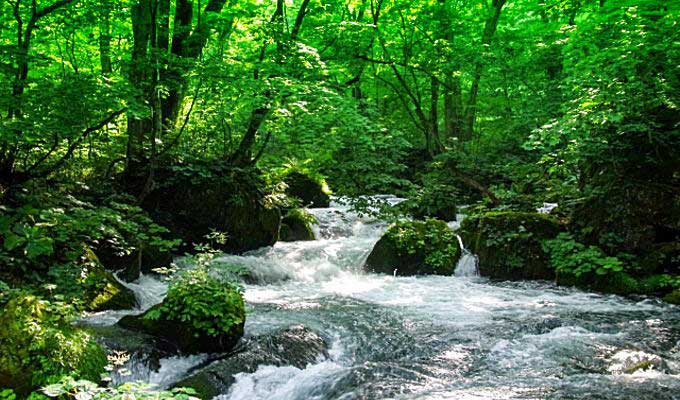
column 339, row 199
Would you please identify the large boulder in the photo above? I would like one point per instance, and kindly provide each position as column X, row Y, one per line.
column 508, row 244
column 415, row 248
column 295, row 346
column 200, row 314
column 296, row 225
column 311, row 192
column 193, row 200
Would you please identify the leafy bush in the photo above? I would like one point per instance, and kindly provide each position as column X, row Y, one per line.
column 212, row 306
column 568, row 256
column 54, row 227
column 69, row 387
column 38, row 344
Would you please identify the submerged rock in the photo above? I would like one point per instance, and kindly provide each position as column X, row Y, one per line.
column 296, row 226
column 311, row 192
column 508, row 244
column 415, row 248
column 196, row 199
column 630, row 361
column 295, row 346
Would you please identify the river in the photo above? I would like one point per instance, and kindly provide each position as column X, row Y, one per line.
column 434, row 337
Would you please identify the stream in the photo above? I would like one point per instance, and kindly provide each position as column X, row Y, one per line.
column 433, row 337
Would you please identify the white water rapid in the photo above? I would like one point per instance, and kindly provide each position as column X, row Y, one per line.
column 434, row 337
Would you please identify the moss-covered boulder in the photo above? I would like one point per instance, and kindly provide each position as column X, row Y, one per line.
column 673, row 297
column 296, row 346
column 38, row 345
column 616, row 283
column 415, row 248
column 311, row 191
column 101, row 290
column 200, row 314
column 193, row 200
column 296, row 225
column 508, row 244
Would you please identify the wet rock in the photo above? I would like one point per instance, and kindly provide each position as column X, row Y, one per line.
column 415, row 248
column 101, row 290
column 295, row 346
column 630, row 361
column 508, row 244
column 296, row 226
column 311, row 192
column 193, row 200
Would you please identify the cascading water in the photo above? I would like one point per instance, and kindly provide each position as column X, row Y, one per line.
column 435, row 337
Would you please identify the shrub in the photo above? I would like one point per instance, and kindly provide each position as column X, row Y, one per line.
column 38, row 345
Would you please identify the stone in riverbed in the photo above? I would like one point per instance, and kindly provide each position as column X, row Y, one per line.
column 311, row 192
column 508, row 244
column 295, row 346
column 296, row 226
column 415, row 248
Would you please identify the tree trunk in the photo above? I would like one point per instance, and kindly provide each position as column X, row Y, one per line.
column 105, row 37
column 489, row 31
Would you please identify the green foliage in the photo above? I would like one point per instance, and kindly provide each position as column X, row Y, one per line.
column 431, row 237
column 568, row 256
column 38, row 344
column 302, row 215
column 210, row 305
column 53, row 227
column 69, row 387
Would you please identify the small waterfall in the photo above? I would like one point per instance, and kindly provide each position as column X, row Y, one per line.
column 148, row 290
column 468, row 264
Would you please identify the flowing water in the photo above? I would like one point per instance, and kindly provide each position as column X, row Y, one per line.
column 458, row 337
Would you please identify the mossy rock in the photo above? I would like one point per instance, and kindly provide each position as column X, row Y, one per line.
column 663, row 258
column 200, row 314
column 508, row 244
column 296, row 225
column 311, row 192
column 619, row 283
column 193, row 200
column 38, row 344
column 102, row 291
column 415, row 248
column 296, row 346
column 673, row 297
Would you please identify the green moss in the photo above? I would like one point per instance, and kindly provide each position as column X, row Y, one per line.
column 296, row 225
column 416, row 248
column 200, row 314
column 311, row 191
column 673, row 297
column 38, row 345
column 508, row 244
column 101, row 289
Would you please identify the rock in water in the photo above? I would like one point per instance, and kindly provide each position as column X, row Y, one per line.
column 312, row 192
column 416, row 248
column 200, row 314
column 196, row 199
column 295, row 346
column 296, row 226
column 508, row 244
